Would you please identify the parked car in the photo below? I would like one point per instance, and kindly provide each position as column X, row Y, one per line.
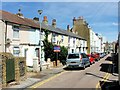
column 77, row 60
column 97, row 56
column 91, row 58
column 102, row 55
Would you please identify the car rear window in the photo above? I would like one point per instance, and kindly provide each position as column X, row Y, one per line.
column 70, row 56
column 83, row 55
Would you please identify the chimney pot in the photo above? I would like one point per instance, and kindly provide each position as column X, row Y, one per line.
column 54, row 23
column 36, row 18
column 74, row 19
column 19, row 13
column 68, row 27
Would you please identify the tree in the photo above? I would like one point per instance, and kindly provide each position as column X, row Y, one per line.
column 63, row 54
column 49, row 52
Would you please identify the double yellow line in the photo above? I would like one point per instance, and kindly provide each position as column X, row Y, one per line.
column 105, row 78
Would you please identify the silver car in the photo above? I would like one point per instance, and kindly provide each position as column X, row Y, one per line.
column 77, row 60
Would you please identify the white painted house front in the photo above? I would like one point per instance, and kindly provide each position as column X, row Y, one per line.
column 20, row 36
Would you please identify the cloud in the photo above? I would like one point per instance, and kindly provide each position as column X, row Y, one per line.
column 115, row 24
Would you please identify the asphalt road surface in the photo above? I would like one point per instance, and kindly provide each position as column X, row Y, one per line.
column 78, row 78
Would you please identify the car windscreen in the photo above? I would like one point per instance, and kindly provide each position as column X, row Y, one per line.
column 83, row 55
column 71, row 56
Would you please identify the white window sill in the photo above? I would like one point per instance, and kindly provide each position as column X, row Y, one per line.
column 16, row 39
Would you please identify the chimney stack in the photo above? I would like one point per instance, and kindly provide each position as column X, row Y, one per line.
column 54, row 23
column 19, row 13
column 45, row 20
column 81, row 17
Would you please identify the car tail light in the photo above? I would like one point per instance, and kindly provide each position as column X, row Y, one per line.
column 80, row 57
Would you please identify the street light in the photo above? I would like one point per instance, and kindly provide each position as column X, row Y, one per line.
column 40, row 12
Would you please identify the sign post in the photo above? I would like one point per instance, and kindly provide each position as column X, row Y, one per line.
column 56, row 50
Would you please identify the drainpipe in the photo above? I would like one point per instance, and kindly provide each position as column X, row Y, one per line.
column 5, row 35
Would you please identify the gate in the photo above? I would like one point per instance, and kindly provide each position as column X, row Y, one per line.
column 10, row 70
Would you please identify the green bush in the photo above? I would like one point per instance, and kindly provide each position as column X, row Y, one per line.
column 49, row 52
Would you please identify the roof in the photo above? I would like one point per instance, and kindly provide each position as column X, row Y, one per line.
column 7, row 16
column 13, row 18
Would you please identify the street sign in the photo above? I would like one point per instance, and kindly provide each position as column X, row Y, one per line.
column 56, row 48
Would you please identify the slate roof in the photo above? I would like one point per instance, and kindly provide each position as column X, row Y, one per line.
column 13, row 18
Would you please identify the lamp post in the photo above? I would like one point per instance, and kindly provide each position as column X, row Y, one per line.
column 40, row 12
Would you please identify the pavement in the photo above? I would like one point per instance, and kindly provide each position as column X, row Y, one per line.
column 33, row 78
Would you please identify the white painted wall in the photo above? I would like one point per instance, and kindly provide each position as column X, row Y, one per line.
column 72, row 46
column 2, row 39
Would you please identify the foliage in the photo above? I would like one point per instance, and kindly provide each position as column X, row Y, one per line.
column 49, row 52
column 63, row 53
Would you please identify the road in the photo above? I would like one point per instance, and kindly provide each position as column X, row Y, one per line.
column 77, row 78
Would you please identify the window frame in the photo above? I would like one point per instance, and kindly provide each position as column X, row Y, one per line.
column 16, row 50
column 16, row 31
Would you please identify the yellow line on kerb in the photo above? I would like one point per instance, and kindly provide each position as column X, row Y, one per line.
column 107, row 75
column 44, row 81
column 104, row 79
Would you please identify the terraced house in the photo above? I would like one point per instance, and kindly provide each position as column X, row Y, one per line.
column 21, row 37
column 94, row 41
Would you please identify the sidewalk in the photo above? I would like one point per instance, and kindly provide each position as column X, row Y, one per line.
column 33, row 78
column 111, row 83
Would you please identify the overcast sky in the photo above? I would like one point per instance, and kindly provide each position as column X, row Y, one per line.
column 102, row 17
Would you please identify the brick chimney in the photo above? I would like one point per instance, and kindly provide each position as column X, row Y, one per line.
column 19, row 13
column 36, row 19
column 45, row 20
column 74, row 19
column 54, row 23
column 81, row 17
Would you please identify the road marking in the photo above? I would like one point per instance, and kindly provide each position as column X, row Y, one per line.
column 98, row 84
column 107, row 75
column 44, row 81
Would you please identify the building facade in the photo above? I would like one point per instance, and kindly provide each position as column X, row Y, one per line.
column 22, row 37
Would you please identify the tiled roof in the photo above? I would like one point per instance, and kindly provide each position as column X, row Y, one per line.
column 7, row 16
column 18, row 20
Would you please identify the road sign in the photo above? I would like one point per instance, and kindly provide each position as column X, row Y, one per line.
column 56, row 48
